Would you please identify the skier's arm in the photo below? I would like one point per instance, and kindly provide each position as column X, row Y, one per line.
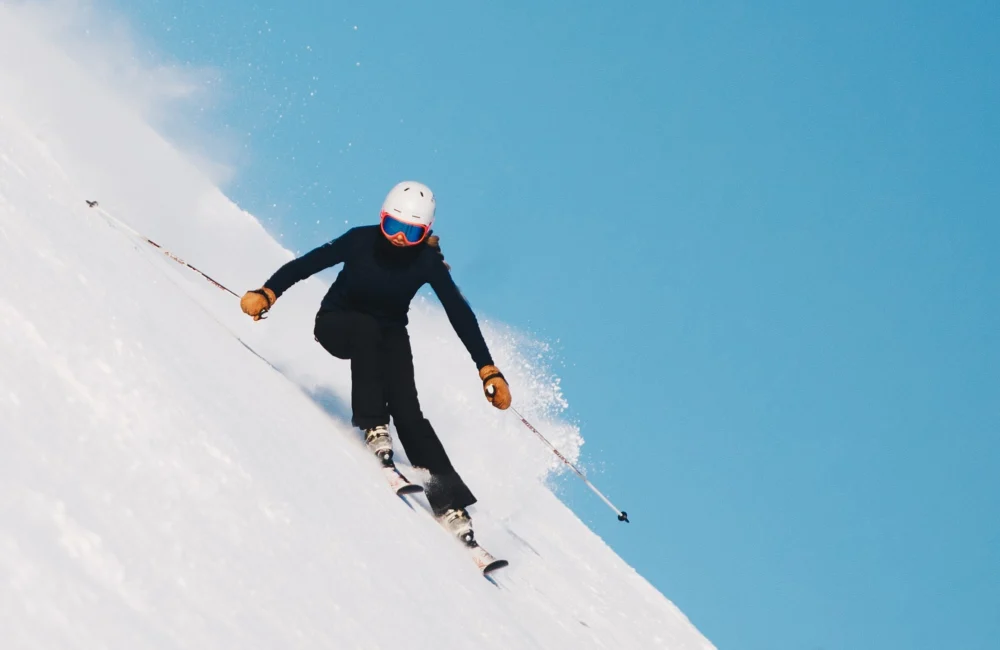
column 467, row 327
column 256, row 303
column 462, row 318
column 311, row 263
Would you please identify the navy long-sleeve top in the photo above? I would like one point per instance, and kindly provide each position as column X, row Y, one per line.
column 381, row 279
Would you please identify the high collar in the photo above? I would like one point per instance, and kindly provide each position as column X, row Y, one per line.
column 391, row 255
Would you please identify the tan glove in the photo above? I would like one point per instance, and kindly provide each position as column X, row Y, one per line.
column 256, row 303
column 435, row 242
column 495, row 387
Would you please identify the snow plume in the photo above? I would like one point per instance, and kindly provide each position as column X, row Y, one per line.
column 107, row 59
column 104, row 44
column 174, row 475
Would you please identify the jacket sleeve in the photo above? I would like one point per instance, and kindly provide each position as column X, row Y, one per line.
column 459, row 313
column 311, row 263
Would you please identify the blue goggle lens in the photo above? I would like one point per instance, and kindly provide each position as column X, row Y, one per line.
column 392, row 226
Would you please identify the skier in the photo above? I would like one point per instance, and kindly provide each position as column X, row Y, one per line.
column 363, row 317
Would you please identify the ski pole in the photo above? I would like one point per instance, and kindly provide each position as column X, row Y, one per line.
column 122, row 226
column 622, row 515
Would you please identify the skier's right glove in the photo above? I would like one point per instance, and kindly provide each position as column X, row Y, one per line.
column 495, row 387
column 256, row 303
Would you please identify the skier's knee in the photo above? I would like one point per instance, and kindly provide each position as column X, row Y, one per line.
column 365, row 330
column 335, row 345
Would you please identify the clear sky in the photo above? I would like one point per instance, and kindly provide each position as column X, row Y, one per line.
column 762, row 238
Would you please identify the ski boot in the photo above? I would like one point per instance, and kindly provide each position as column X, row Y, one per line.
column 457, row 522
column 379, row 442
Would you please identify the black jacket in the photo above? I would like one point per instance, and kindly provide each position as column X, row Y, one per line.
column 380, row 279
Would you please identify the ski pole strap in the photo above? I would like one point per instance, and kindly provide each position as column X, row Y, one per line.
column 261, row 292
column 495, row 375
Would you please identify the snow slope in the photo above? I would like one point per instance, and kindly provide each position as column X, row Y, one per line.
column 162, row 485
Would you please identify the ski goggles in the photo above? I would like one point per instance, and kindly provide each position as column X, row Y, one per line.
column 413, row 233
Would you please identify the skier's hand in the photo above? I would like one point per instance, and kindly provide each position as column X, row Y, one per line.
column 435, row 242
column 495, row 387
column 256, row 303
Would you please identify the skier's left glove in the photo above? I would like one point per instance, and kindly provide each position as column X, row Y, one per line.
column 495, row 387
column 435, row 242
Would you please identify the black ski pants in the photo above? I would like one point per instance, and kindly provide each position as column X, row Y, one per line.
column 383, row 385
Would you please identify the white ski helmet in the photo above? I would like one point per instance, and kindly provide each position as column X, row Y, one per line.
column 411, row 202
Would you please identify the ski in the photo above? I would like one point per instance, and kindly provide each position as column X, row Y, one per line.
column 484, row 559
column 457, row 523
column 380, row 445
column 379, row 442
column 399, row 483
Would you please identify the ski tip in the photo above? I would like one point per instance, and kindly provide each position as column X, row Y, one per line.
column 494, row 565
column 410, row 489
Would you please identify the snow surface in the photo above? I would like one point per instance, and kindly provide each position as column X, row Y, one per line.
column 173, row 475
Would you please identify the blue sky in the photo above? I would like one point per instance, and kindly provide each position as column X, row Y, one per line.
column 762, row 238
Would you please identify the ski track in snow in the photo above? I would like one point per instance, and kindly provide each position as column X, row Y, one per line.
column 163, row 487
